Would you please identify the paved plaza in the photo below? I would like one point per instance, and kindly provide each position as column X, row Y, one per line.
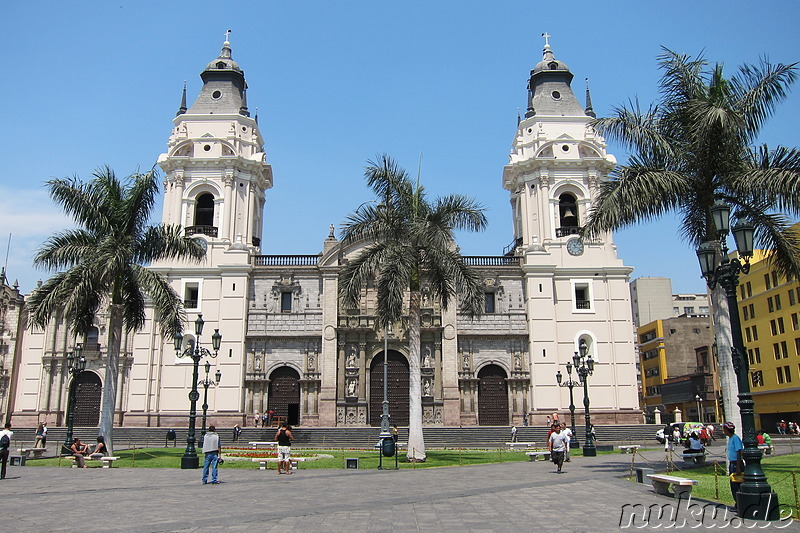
column 590, row 496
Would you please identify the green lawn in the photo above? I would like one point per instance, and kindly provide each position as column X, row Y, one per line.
column 171, row 458
column 778, row 470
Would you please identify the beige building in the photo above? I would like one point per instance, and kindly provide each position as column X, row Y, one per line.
column 288, row 345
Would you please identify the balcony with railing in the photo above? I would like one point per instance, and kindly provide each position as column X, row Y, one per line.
column 568, row 230
column 491, row 260
column 210, row 231
column 583, row 304
column 285, row 260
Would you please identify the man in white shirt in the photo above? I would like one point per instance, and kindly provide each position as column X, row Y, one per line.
column 211, row 450
column 568, row 432
column 4, row 448
column 558, row 445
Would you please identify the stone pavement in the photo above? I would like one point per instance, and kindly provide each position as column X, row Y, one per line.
column 589, row 496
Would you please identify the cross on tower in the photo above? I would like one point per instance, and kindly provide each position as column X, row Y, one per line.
column 546, row 37
column 227, row 35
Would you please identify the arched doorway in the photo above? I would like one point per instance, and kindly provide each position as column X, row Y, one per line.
column 397, row 390
column 492, row 396
column 88, row 392
column 284, row 394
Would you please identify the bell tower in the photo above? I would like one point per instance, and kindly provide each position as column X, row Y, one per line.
column 216, row 173
column 576, row 291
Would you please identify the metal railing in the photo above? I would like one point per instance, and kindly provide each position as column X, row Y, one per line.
column 568, row 230
column 211, row 231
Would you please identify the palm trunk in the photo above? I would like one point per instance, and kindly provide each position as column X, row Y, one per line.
column 727, row 376
column 416, row 443
column 115, row 324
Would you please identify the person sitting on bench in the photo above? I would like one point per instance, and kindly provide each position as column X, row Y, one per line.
column 79, row 450
column 694, row 444
column 101, row 449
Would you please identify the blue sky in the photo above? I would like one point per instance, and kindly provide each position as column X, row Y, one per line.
column 97, row 83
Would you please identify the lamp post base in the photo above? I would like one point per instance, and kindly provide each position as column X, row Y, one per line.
column 761, row 506
column 574, row 444
column 189, row 462
column 589, row 450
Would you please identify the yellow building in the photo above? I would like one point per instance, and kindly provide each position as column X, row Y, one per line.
column 769, row 307
column 678, row 369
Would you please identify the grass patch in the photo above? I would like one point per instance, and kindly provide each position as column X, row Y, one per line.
column 778, row 470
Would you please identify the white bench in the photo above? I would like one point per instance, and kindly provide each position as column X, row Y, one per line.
column 545, row 455
column 106, row 460
column 766, row 448
column 397, row 445
column 262, row 461
column 37, row 452
column 268, row 444
column 680, row 486
column 698, row 457
column 629, row 448
column 513, row 445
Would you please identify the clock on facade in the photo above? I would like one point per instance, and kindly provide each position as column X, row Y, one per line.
column 575, row 246
column 202, row 243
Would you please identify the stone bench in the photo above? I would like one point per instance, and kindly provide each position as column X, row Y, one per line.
column 268, row 444
column 680, row 486
column 698, row 458
column 766, row 448
column 545, row 455
column 37, row 452
column 513, row 445
column 106, row 460
column 262, row 461
column 629, row 448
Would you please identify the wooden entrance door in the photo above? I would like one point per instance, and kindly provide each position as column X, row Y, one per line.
column 284, row 394
column 397, row 390
column 88, row 392
column 492, row 396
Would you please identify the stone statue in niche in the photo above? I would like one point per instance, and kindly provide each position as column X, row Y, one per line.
column 351, row 387
column 351, row 357
column 466, row 361
column 517, row 361
column 427, row 361
column 258, row 364
column 311, row 361
column 426, row 388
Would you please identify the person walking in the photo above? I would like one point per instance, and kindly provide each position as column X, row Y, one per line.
column 513, row 433
column 237, row 430
column 558, row 444
column 734, row 456
column 568, row 432
column 284, row 438
column 5, row 443
column 212, row 451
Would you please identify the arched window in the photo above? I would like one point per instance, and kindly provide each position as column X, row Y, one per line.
column 92, row 340
column 204, row 210
column 567, row 215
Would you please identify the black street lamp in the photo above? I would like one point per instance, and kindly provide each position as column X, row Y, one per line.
column 570, row 383
column 207, row 382
column 193, row 350
column 755, row 498
column 388, row 445
column 584, row 366
column 699, row 400
column 76, row 363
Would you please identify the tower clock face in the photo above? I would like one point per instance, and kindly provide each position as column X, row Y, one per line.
column 575, row 246
column 202, row 243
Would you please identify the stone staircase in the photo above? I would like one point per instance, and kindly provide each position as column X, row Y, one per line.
column 347, row 437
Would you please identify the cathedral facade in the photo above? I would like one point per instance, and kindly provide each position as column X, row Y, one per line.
column 289, row 346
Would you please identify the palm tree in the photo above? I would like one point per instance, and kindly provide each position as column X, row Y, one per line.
column 100, row 265
column 410, row 243
column 694, row 147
